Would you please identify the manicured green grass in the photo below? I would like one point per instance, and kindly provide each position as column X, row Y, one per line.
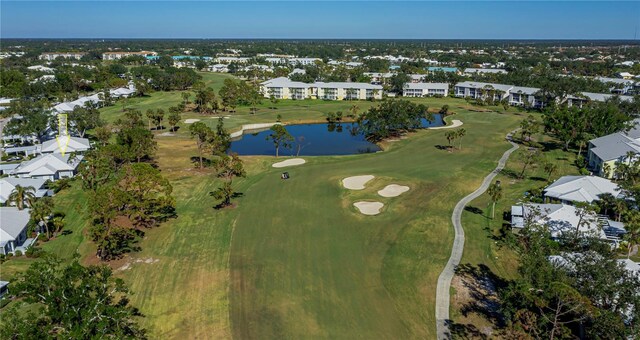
column 304, row 263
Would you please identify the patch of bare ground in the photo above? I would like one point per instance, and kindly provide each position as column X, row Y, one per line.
column 477, row 300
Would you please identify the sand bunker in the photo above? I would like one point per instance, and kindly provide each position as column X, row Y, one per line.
column 393, row 190
column 191, row 120
column 289, row 162
column 356, row 182
column 369, row 208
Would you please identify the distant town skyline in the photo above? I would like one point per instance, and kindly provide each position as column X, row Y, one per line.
column 321, row 19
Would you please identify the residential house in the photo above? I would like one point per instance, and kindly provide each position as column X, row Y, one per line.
column 220, row 68
column 13, row 230
column 605, row 152
column 584, row 189
column 51, row 166
column 560, row 219
column 378, row 78
column 80, row 102
column 425, row 89
column 50, row 56
column 76, row 144
column 8, row 184
column 122, row 54
column 41, row 68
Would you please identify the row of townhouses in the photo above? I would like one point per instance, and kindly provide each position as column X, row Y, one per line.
column 284, row 88
column 521, row 96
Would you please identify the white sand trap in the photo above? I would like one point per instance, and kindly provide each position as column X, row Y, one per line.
column 167, row 134
column 191, row 120
column 369, row 208
column 356, row 182
column 289, row 162
column 393, row 190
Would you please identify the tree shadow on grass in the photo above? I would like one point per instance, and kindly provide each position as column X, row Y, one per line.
column 474, row 210
column 539, row 179
column 550, row 145
column 231, row 205
column 509, row 173
column 443, row 147
column 195, row 160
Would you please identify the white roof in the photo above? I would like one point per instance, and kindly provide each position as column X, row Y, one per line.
column 484, row 70
column 346, row 85
column 75, row 144
column 12, row 222
column 427, row 86
column 8, row 184
column 562, row 218
column 581, row 188
column 48, row 164
column 285, row 82
column 479, row 85
column 41, row 68
column 524, row 90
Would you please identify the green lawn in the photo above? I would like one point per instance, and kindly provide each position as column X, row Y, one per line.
column 294, row 259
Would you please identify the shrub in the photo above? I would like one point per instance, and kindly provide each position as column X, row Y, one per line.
column 18, row 253
column 34, row 252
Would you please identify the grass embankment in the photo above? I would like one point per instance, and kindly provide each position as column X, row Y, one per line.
column 485, row 256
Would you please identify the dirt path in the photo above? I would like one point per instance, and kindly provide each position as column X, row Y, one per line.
column 444, row 280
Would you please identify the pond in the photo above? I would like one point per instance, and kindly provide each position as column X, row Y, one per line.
column 314, row 140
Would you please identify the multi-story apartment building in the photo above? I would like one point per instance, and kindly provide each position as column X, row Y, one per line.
column 123, row 54
column 425, row 89
column 284, row 88
column 50, row 56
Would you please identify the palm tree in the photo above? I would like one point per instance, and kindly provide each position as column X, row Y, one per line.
column 459, row 134
column 495, row 191
column 549, row 169
column 450, row 135
column 632, row 226
column 21, row 195
column 41, row 212
column 354, row 110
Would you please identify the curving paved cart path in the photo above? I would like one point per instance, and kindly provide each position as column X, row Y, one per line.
column 444, row 280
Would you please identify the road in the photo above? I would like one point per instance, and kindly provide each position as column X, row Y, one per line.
column 444, row 280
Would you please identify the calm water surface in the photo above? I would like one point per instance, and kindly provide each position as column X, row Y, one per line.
column 314, row 140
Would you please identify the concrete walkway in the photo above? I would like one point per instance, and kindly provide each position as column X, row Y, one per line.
column 444, row 280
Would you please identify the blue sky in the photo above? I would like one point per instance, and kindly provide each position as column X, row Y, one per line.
column 323, row 19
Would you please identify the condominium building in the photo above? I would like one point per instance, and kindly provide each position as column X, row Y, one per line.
column 477, row 90
column 284, row 88
column 120, row 54
column 425, row 89
column 229, row 60
column 50, row 56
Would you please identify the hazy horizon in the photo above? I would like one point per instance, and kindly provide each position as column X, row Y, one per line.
column 310, row 20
